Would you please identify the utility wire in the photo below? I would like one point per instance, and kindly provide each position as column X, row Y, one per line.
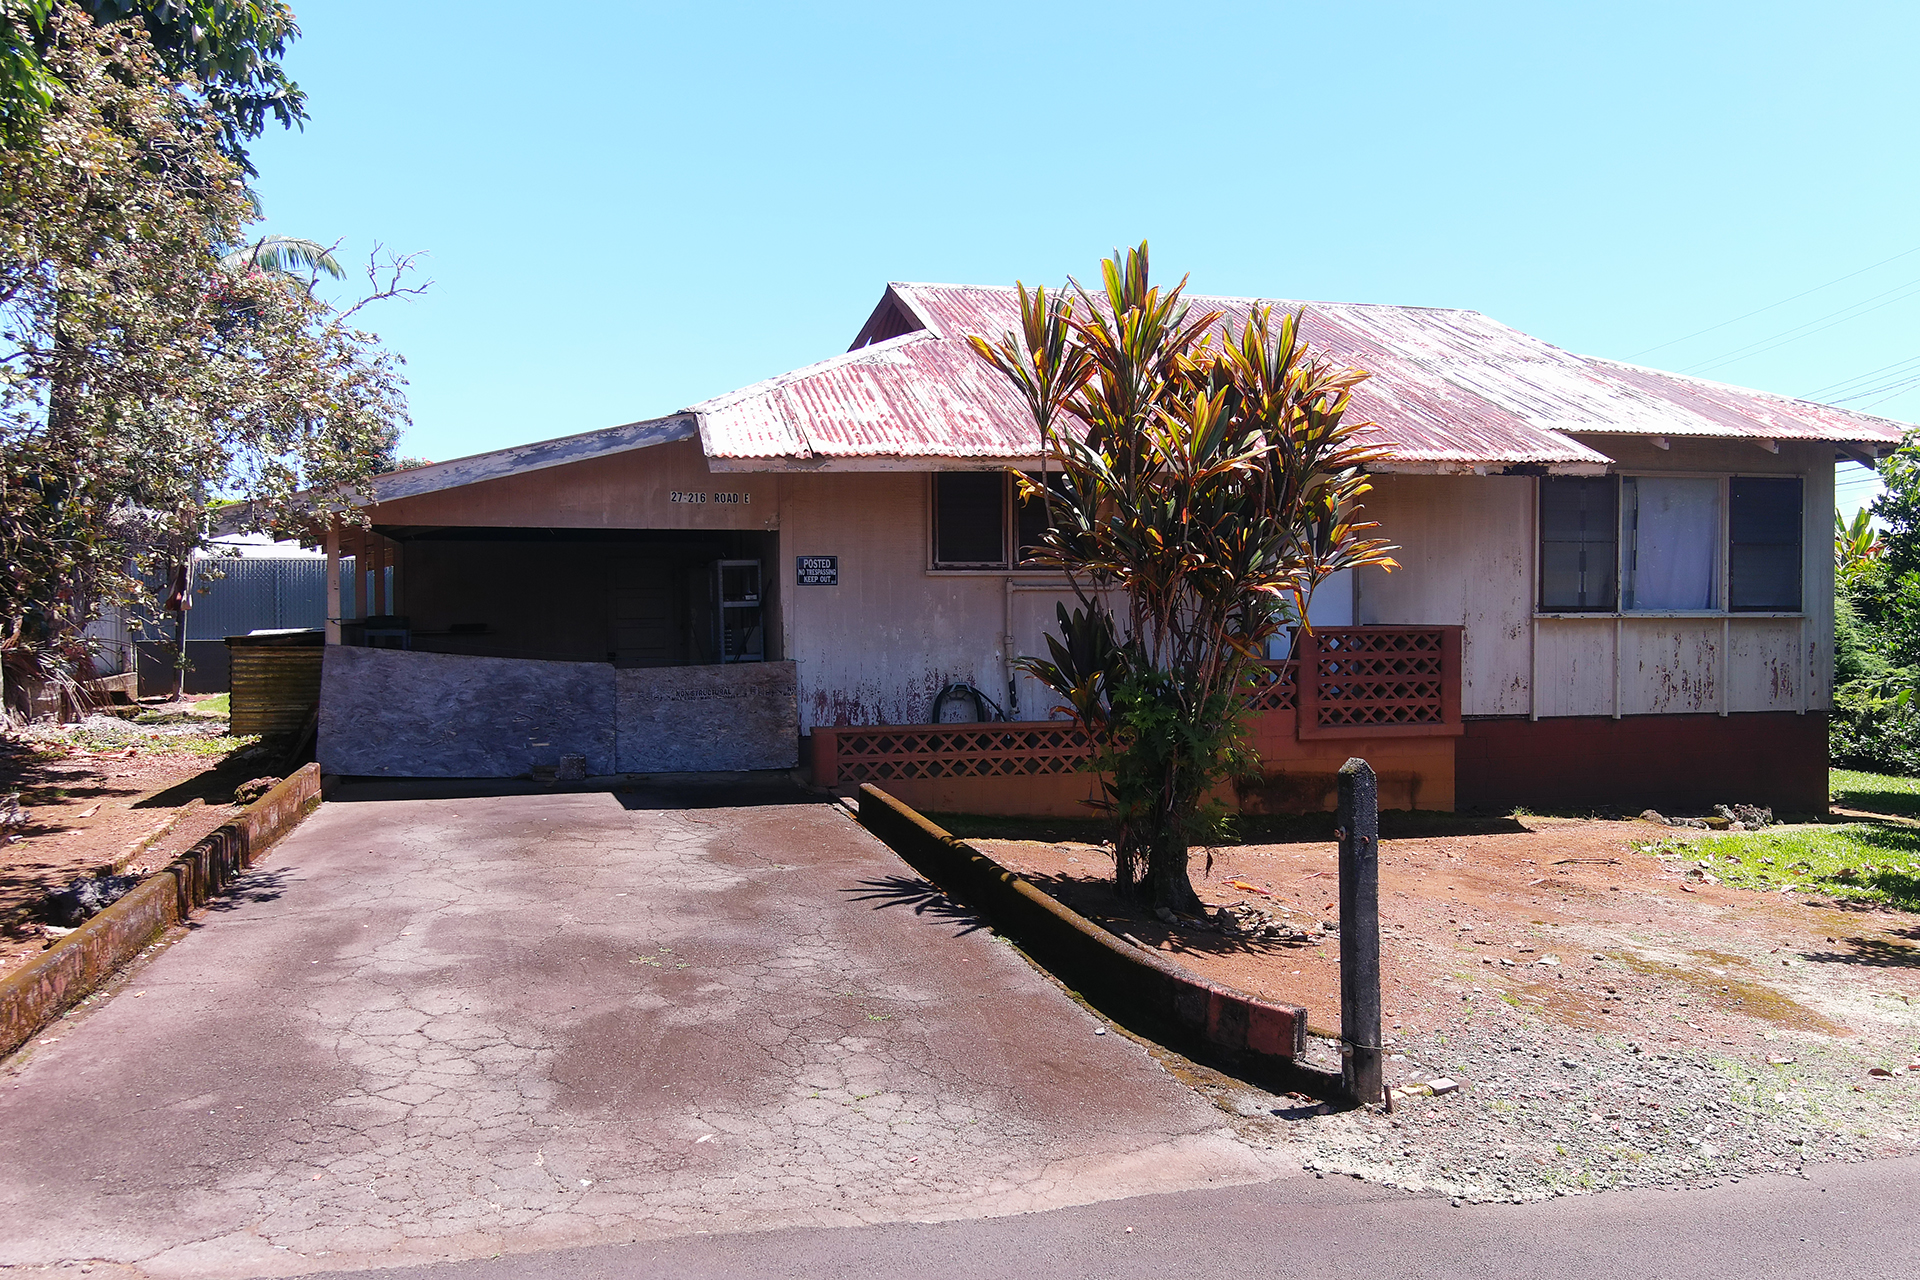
column 1861, row 377
column 1762, row 345
column 1772, row 305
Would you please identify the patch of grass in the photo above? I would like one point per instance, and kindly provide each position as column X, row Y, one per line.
column 218, row 705
column 1875, row 792
column 1858, row 862
column 220, row 746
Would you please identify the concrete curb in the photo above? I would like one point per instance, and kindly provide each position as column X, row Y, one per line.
column 94, row 952
column 1133, row 986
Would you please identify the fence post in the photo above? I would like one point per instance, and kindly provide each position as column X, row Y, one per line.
column 1359, row 836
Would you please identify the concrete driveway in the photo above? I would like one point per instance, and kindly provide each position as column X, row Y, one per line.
column 453, row 1028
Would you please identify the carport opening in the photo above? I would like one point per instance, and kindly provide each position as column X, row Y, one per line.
column 631, row 597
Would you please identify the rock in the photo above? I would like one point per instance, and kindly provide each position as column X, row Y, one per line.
column 1442, row 1085
column 1551, row 962
column 1878, row 1071
column 1653, row 815
column 248, row 792
column 87, row 897
column 1775, row 1060
column 1165, row 915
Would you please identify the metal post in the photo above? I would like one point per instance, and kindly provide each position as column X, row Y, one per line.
column 1360, row 932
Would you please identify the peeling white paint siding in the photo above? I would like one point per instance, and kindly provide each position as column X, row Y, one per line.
column 1576, row 667
column 1466, row 559
column 878, row 648
column 1668, row 666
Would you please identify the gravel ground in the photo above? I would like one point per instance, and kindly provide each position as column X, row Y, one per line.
column 1609, row 1022
column 1540, row 1113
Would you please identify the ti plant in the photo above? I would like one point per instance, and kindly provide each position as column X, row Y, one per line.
column 1201, row 480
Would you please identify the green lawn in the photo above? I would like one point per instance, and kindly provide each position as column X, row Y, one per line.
column 1875, row 792
column 1875, row 861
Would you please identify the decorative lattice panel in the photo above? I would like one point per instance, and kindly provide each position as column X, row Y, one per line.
column 1279, row 692
column 961, row 751
column 1366, row 677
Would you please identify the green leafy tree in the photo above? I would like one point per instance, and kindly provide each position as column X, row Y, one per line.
column 229, row 51
column 1204, row 482
column 143, row 377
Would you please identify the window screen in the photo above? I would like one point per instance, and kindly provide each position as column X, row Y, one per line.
column 1671, row 528
column 970, row 519
column 1578, row 560
column 1763, row 570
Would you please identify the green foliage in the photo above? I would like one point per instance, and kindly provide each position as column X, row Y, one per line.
column 1201, row 482
column 1856, row 546
column 229, row 51
column 1876, row 718
column 144, row 380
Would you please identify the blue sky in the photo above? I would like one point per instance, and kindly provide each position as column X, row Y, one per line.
column 630, row 208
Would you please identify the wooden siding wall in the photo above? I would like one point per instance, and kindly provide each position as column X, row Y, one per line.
column 1468, row 557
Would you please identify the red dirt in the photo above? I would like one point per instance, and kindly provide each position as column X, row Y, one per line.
column 1473, row 915
column 129, row 809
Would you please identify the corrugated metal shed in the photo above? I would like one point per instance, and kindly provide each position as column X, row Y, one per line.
column 1452, row 390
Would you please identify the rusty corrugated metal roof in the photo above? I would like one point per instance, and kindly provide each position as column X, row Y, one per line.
column 1451, row 390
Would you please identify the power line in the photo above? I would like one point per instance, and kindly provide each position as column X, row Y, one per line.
column 1762, row 345
column 1772, row 305
column 1861, row 377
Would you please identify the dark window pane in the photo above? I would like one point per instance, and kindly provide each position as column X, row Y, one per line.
column 970, row 518
column 1032, row 517
column 1763, row 516
column 1579, row 523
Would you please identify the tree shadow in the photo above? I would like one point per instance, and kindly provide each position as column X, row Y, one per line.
column 1245, row 829
column 924, row 897
column 1878, row 953
column 252, row 887
column 1100, row 902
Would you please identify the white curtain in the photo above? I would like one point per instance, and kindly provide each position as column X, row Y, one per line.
column 1674, row 532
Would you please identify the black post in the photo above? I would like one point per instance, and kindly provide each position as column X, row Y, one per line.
column 1360, row 931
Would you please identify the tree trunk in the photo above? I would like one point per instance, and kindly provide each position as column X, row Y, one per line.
column 1167, row 884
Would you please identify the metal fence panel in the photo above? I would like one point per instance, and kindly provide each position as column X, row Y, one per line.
column 257, row 594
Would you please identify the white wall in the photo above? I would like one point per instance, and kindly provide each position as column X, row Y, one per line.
column 878, row 648
column 1468, row 558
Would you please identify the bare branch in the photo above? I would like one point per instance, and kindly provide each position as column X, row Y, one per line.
column 385, row 276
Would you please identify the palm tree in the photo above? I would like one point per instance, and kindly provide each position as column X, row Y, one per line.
column 284, row 256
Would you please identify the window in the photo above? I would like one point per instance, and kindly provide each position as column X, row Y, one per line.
column 970, row 520
column 1763, row 552
column 1653, row 544
column 977, row 515
column 1032, row 520
column 1671, row 530
column 1578, row 556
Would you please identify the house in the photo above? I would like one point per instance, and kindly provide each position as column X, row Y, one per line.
column 1616, row 585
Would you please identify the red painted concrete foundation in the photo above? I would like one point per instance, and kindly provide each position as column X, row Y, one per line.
column 1777, row 759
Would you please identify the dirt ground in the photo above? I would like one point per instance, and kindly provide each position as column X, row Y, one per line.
column 113, row 794
column 1545, row 959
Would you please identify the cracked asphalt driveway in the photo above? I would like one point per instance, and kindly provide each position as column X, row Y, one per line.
column 452, row 1028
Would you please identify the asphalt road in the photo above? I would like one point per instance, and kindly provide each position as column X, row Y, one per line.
column 1852, row 1222
column 428, row 1030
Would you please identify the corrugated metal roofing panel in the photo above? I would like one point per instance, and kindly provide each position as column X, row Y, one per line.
column 1716, row 409
column 1450, row 388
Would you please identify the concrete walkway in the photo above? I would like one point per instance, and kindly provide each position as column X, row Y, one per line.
column 446, row 1029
